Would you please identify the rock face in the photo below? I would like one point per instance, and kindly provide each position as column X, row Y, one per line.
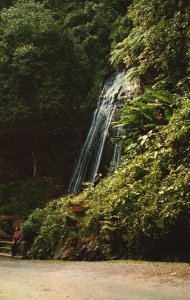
column 79, row 250
column 89, row 249
column 129, row 88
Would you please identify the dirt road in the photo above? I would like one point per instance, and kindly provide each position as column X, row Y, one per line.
column 50, row 280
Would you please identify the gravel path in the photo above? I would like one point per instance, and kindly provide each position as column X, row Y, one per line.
column 53, row 280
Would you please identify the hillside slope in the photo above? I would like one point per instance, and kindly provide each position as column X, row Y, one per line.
column 141, row 211
column 55, row 56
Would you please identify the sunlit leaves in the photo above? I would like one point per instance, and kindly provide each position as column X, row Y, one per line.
column 144, row 113
column 155, row 44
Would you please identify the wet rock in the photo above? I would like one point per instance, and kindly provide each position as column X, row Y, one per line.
column 129, row 88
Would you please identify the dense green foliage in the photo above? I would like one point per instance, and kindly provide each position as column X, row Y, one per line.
column 157, row 46
column 143, row 209
column 54, row 56
column 53, row 59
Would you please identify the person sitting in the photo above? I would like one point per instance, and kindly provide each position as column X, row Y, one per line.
column 17, row 238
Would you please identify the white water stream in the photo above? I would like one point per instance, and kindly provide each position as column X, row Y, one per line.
column 117, row 150
column 88, row 162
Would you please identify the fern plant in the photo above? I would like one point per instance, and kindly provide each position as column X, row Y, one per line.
column 147, row 112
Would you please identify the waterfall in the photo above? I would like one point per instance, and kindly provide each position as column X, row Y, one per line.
column 88, row 163
column 117, row 149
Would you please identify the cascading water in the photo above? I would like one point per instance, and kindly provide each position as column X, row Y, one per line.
column 117, row 149
column 88, row 163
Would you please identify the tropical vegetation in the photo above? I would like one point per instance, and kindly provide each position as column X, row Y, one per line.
column 54, row 57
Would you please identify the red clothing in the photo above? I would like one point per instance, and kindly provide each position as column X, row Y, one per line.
column 17, row 236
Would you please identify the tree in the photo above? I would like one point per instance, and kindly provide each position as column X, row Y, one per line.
column 155, row 45
column 43, row 68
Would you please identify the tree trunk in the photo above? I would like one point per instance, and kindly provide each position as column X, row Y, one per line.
column 34, row 160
